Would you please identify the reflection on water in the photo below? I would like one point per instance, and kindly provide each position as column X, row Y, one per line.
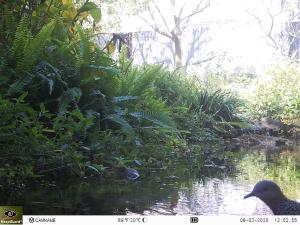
column 214, row 197
column 177, row 191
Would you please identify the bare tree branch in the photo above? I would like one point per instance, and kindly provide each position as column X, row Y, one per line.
column 180, row 24
column 195, row 45
column 204, row 60
column 282, row 40
column 197, row 11
column 295, row 16
column 156, row 28
column 182, row 8
column 197, row 8
column 161, row 15
column 268, row 33
column 258, row 20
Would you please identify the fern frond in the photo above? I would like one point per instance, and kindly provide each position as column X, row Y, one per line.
column 125, row 126
column 19, row 84
column 123, row 98
column 34, row 49
column 21, row 40
column 108, row 69
column 84, row 54
column 138, row 81
column 158, row 118
column 8, row 24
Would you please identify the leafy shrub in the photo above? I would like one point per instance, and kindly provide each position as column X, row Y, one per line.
column 21, row 140
column 278, row 92
column 196, row 109
column 68, row 109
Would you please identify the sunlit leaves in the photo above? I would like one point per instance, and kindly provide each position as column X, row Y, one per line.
column 96, row 14
column 88, row 8
column 67, row 2
column 70, row 13
column 111, row 48
column 93, row 9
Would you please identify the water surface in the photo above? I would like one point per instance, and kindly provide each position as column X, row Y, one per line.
column 181, row 190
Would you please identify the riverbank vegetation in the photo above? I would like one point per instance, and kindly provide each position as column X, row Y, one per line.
column 69, row 110
column 278, row 92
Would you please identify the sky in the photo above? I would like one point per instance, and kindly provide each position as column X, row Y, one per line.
column 242, row 37
column 232, row 29
column 238, row 33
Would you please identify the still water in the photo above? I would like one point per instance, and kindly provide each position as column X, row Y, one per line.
column 181, row 190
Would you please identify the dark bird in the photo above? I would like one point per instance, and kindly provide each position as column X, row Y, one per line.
column 271, row 194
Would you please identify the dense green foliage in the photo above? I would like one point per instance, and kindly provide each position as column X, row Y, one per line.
column 68, row 109
column 277, row 94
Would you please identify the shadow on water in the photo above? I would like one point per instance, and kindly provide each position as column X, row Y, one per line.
column 181, row 190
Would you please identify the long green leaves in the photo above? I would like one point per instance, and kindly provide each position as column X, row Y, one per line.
column 221, row 105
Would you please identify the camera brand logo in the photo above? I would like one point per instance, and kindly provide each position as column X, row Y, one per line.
column 11, row 215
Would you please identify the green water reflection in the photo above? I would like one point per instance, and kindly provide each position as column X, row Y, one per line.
column 184, row 189
column 283, row 167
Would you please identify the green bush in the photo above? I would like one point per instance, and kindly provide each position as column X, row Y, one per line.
column 31, row 149
column 197, row 111
column 68, row 109
column 21, row 141
column 278, row 93
column 79, row 111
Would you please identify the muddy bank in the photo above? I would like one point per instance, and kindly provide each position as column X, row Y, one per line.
column 267, row 134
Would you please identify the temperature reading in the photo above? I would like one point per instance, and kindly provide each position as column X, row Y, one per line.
column 132, row 220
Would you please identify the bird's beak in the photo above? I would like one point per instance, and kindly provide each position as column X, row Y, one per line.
column 249, row 195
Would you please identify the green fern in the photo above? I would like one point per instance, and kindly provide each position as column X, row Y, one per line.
column 20, row 83
column 8, row 24
column 158, row 118
column 138, row 81
column 107, row 69
column 123, row 98
column 34, row 49
column 125, row 126
column 84, row 52
column 22, row 39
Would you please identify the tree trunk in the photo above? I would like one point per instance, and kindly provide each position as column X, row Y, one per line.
column 178, row 51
